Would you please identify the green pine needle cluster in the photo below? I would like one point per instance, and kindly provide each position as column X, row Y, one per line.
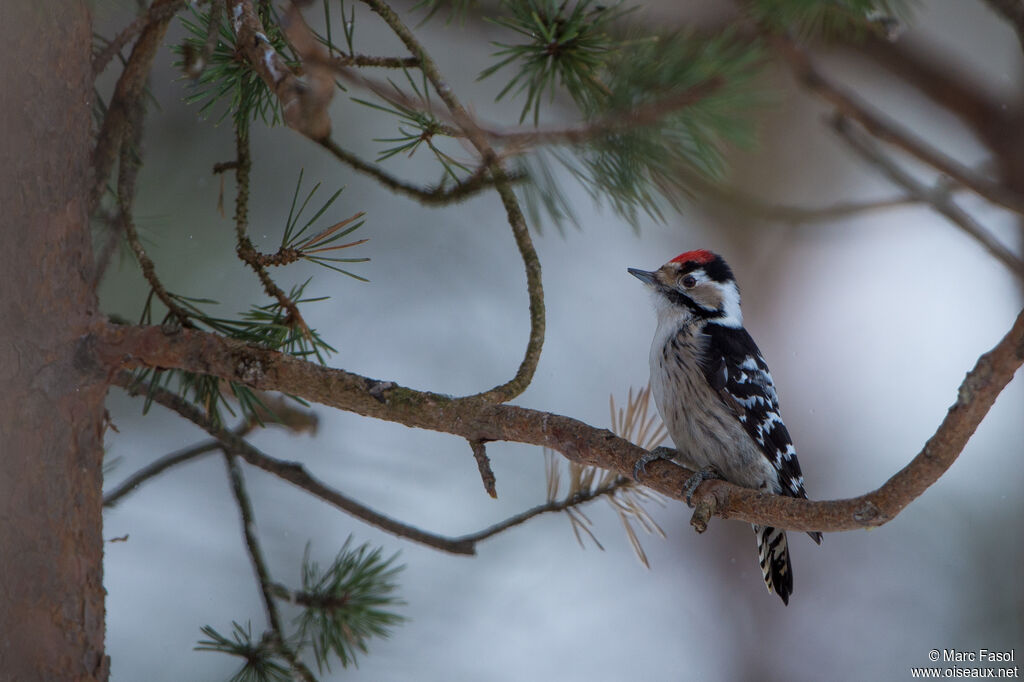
column 262, row 663
column 641, row 166
column 267, row 326
column 417, row 126
column 564, row 47
column 343, row 606
column 228, row 81
column 319, row 248
column 348, row 603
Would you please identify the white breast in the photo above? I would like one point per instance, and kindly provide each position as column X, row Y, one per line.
column 704, row 431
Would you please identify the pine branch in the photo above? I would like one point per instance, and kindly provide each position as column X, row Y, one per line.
column 644, row 115
column 304, row 105
column 260, row 568
column 890, row 131
column 162, row 464
column 502, row 184
column 937, row 199
column 440, row 195
column 114, row 347
column 245, row 250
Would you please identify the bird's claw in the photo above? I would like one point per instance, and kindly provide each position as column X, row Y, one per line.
column 693, row 482
column 654, row 455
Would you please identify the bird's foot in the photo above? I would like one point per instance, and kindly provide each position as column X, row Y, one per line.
column 654, row 455
column 692, row 483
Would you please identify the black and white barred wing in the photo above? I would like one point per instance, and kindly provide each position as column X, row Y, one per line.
column 736, row 370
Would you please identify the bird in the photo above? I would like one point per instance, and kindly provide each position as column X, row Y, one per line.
column 716, row 396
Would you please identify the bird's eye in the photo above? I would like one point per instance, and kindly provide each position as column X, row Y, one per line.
column 689, row 281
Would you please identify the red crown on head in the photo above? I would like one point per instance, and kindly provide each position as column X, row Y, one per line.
column 702, row 256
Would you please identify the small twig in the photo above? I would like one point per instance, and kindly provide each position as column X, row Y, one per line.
column 755, row 207
column 127, row 175
column 937, row 199
column 196, row 62
column 502, row 183
column 260, row 568
column 483, row 463
column 644, row 115
column 345, row 60
column 319, row 601
column 554, row 506
column 889, row 131
column 131, row 484
column 292, row 472
column 440, row 195
column 303, row 105
column 244, row 248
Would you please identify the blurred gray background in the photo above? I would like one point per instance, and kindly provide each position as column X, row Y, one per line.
column 868, row 323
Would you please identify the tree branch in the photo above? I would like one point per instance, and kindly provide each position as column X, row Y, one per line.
column 889, row 131
column 937, row 199
column 303, row 105
column 260, row 568
column 296, row 474
column 127, row 98
column 934, row 76
column 502, row 183
column 440, row 195
column 1013, row 12
column 157, row 467
column 473, row 418
column 645, row 115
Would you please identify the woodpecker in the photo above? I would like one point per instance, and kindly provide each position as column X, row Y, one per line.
column 716, row 395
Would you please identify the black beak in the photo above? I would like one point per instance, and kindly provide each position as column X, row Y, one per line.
column 642, row 275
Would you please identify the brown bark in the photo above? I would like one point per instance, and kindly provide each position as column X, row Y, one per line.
column 51, row 546
column 480, row 420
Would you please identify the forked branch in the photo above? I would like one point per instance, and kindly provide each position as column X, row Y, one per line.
column 473, row 418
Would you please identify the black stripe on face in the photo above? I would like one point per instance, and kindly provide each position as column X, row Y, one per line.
column 681, row 300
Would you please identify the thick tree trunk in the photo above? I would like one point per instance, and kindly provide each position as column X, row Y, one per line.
column 51, row 408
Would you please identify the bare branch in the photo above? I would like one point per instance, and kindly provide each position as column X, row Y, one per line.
column 157, row 467
column 127, row 174
column 758, row 208
column 345, row 60
column 478, row 138
column 245, row 250
column 938, row 199
column 260, row 568
column 440, row 195
column 127, row 98
column 889, row 131
column 293, row 472
column 473, row 418
column 548, row 507
column 933, row 74
column 484, row 464
column 296, row 474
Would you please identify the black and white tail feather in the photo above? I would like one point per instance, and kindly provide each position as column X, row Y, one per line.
column 716, row 394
